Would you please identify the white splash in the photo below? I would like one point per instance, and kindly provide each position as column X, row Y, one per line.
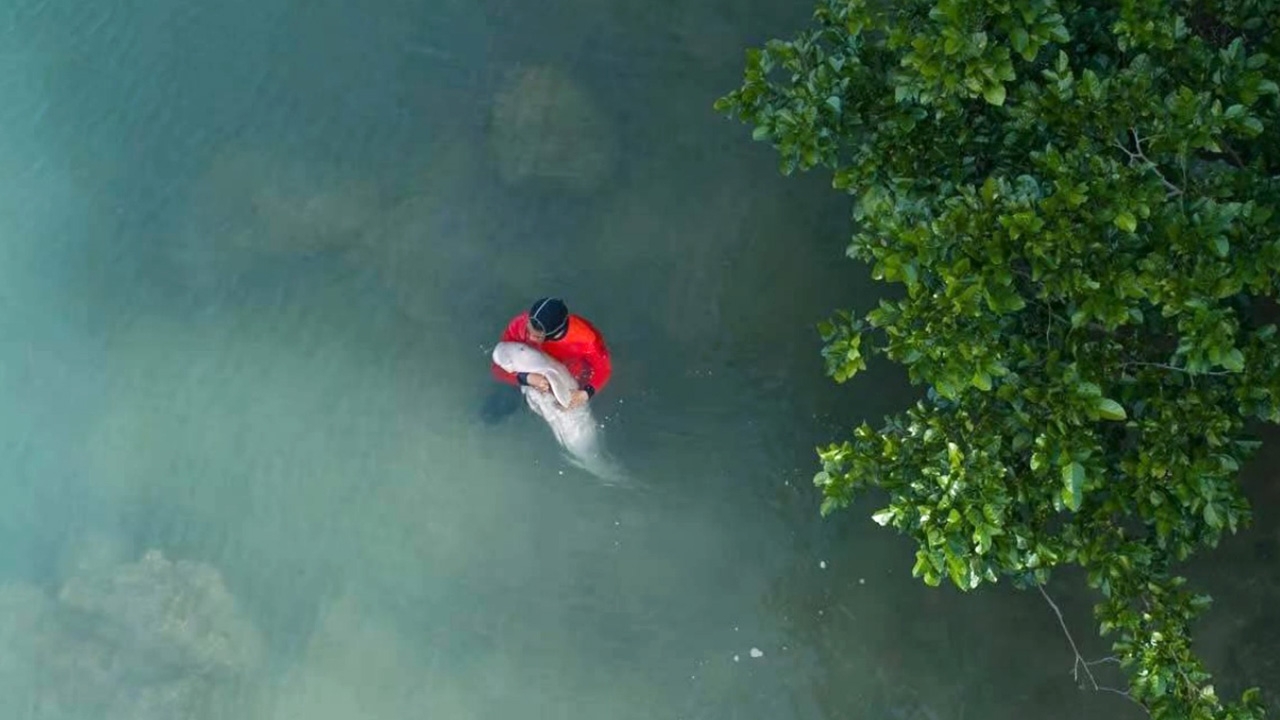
column 574, row 428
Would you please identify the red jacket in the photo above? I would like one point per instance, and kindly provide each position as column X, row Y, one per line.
column 581, row 350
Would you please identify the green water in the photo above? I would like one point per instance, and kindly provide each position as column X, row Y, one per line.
column 252, row 258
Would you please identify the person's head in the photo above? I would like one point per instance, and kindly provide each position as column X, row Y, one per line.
column 548, row 320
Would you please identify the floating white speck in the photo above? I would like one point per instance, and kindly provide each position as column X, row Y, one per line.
column 756, row 653
column 822, row 564
column 736, row 658
column 862, row 581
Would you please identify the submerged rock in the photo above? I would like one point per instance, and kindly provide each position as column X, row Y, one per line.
column 267, row 204
column 545, row 127
column 178, row 613
column 252, row 209
column 151, row 640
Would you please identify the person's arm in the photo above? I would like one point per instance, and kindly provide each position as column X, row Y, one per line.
column 516, row 331
column 598, row 366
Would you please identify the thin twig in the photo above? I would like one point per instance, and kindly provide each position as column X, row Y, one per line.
column 1137, row 154
column 1104, row 688
column 1163, row 366
column 1113, row 659
column 1240, row 163
column 1080, row 662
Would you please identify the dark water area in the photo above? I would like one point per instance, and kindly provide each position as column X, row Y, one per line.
column 253, row 257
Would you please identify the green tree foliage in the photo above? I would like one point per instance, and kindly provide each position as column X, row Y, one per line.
column 1079, row 202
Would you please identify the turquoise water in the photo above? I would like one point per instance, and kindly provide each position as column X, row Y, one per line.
column 252, row 259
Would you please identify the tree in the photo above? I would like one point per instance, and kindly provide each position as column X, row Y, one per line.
column 1078, row 200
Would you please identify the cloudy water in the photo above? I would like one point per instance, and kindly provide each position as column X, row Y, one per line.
column 253, row 258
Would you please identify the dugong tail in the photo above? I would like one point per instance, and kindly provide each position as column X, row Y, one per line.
column 605, row 469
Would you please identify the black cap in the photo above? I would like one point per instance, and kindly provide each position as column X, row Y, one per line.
column 551, row 316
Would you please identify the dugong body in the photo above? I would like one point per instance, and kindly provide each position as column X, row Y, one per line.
column 517, row 357
column 574, row 428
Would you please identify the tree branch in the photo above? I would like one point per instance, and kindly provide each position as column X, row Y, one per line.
column 1137, row 155
column 1079, row 661
column 1163, row 366
column 1222, row 142
column 1112, row 659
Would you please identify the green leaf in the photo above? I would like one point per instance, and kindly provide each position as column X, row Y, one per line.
column 982, row 381
column 1233, row 360
column 883, row 517
column 922, row 564
column 760, row 133
column 1211, row 516
column 1110, row 409
column 829, row 505
column 1126, row 221
column 833, row 102
column 1073, row 485
column 1013, row 303
column 994, row 94
column 1018, row 39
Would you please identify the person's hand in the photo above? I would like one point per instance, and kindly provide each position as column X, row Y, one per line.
column 578, row 399
column 538, row 382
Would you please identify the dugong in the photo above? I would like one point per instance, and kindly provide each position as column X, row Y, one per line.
column 574, row 428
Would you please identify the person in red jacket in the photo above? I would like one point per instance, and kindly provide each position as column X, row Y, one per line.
column 549, row 326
